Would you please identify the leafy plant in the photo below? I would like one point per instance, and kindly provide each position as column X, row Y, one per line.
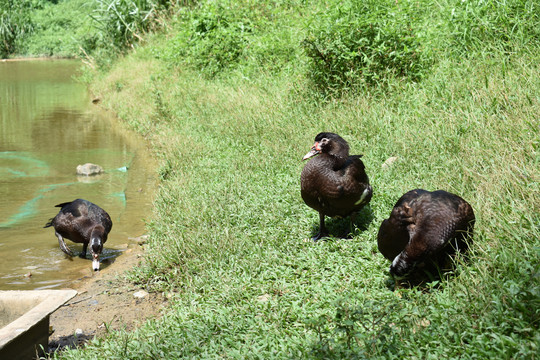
column 217, row 37
column 213, row 37
column 365, row 42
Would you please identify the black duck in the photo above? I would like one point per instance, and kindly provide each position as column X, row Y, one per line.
column 82, row 222
column 333, row 182
column 425, row 226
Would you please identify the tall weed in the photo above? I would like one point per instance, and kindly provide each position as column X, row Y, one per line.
column 123, row 22
column 14, row 23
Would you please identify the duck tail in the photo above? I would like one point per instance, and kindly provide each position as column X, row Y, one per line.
column 63, row 204
column 49, row 224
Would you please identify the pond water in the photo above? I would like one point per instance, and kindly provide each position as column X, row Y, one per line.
column 48, row 127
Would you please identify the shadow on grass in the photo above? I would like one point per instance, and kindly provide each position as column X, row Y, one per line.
column 68, row 342
column 431, row 275
column 348, row 227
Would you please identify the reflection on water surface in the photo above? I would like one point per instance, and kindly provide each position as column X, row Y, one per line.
column 48, row 126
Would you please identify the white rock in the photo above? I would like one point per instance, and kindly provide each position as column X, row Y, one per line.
column 140, row 294
column 264, row 298
column 89, row 169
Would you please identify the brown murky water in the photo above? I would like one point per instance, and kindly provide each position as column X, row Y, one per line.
column 48, row 127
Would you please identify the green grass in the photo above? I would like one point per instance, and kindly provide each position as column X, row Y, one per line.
column 229, row 235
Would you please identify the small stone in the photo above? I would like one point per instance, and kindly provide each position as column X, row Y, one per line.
column 389, row 162
column 89, row 169
column 79, row 332
column 140, row 294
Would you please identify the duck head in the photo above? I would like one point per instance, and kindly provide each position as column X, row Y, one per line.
column 328, row 143
column 97, row 238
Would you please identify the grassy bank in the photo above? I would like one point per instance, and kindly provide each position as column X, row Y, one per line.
column 229, row 235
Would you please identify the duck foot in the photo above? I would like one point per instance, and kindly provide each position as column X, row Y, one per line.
column 322, row 230
column 320, row 235
column 63, row 245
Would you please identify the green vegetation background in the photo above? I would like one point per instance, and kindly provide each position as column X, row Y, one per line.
column 230, row 95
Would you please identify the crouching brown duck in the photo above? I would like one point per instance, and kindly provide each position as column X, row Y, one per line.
column 82, row 222
column 333, row 182
column 425, row 226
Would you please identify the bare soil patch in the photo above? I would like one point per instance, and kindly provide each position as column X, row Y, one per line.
column 105, row 302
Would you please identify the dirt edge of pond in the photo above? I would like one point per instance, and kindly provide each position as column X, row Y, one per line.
column 105, row 301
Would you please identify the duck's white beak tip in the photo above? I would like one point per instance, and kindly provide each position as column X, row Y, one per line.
column 95, row 264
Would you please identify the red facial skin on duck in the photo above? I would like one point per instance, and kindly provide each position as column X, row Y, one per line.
column 315, row 150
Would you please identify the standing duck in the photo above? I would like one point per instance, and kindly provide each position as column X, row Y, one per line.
column 333, row 182
column 82, row 222
column 425, row 226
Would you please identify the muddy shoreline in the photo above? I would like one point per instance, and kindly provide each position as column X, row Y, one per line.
column 105, row 301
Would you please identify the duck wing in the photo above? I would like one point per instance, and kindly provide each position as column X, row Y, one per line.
column 72, row 221
column 75, row 208
column 100, row 216
column 436, row 219
column 354, row 183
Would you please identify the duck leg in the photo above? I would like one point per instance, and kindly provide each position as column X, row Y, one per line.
column 352, row 217
column 84, row 248
column 63, row 245
column 322, row 229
